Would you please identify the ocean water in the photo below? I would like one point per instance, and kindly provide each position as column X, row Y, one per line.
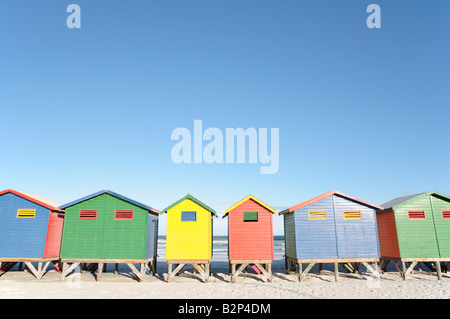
column 220, row 247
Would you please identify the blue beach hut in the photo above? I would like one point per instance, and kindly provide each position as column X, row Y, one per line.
column 30, row 231
column 331, row 228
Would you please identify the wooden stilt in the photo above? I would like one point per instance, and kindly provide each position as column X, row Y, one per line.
column 299, row 272
column 336, row 272
column 99, row 271
column 438, row 270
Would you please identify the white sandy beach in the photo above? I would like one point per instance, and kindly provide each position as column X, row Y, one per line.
column 21, row 284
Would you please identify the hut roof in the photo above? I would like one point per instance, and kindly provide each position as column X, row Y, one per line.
column 131, row 201
column 192, row 198
column 389, row 205
column 316, row 199
column 225, row 213
column 40, row 200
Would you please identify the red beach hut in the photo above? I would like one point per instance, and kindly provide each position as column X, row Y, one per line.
column 250, row 236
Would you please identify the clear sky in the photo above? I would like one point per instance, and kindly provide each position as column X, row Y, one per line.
column 363, row 111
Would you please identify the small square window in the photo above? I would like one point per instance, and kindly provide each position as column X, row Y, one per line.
column 87, row 214
column 250, row 216
column 188, row 216
column 26, row 213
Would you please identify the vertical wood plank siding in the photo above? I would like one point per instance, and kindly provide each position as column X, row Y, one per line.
column 188, row 240
column 250, row 240
column 289, row 235
column 416, row 237
column 355, row 237
column 316, row 238
column 442, row 224
column 152, row 236
column 22, row 237
column 54, row 235
column 105, row 237
column 387, row 235
column 334, row 236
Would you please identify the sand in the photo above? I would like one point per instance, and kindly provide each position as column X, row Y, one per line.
column 424, row 284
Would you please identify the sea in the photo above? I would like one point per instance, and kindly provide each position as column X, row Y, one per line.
column 220, row 247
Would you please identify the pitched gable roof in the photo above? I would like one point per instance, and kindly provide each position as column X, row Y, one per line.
column 399, row 200
column 393, row 203
column 225, row 213
column 195, row 200
column 40, row 200
column 320, row 197
column 131, row 201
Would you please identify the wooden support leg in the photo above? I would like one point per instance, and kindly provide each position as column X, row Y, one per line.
column 169, row 272
column 67, row 269
column 201, row 271
column 43, row 269
column 39, row 269
column 208, row 271
column 173, row 273
column 116, row 269
column 233, row 270
column 336, row 271
column 236, row 273
column 410, row 269
column 136, row 272
column 320, row 269
column 99, row 271
column 32, row 269
column 63, row 271
column 403, row 270
column 303, row 274
column 438, row 270
column 286, row 267
column 299, row 271
column 373, row 271
column 399, row 270
column 142, row 270
column 266, row 274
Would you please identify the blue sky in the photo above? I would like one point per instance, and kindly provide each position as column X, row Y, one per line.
column 363, row 111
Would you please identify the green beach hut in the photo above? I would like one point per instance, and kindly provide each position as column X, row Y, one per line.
column 415, row 229
column 106, row 227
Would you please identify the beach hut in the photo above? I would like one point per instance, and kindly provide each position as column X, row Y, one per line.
column 30, row 231
column 106, row 227
column 189, row 236
column 414, row 229
column 331, row 228
column 250, row 237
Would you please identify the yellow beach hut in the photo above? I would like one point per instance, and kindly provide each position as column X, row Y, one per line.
column 189, row 236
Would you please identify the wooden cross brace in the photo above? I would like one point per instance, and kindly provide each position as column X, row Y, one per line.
column 266, row 273
column 202, row 268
